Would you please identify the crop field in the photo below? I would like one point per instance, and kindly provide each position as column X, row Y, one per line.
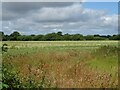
column 60, row 64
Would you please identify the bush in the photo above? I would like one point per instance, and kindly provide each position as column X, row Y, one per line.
column 4, row 47
column 9, row 78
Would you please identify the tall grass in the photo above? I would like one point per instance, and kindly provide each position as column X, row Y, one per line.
column 61, row 64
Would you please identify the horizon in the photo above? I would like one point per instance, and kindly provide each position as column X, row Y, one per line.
column 57, row 32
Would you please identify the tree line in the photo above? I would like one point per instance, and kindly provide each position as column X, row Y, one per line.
column 59, row 36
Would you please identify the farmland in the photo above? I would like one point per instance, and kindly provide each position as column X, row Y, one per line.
column 60, row 64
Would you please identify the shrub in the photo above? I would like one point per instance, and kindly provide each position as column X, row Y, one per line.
column 4, row 47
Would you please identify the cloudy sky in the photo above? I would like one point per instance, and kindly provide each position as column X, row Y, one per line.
column 46, row 17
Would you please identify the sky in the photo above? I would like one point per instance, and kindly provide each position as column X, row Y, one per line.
column 68, row 17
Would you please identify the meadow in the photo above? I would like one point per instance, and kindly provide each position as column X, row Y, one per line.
column 60, row 64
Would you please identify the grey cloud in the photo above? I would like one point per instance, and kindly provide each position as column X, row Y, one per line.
column 52, row 17
column 26, row 6
column 20, row 9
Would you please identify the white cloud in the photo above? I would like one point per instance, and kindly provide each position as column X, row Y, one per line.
column 52, row 26
column 57, row 14
column 70, row 19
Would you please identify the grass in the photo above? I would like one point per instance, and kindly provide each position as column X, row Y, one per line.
column 62, row 64
column 106, row 59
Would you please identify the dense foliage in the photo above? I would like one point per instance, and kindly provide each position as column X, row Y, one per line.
column 16, row 36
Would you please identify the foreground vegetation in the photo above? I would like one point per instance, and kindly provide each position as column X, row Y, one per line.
column 60, row 64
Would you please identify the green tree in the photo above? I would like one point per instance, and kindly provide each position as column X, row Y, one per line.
column 50, row 37
column 115, row 37
column 89, row 37
column 77, row 37
column 14, row 35
column 67, row 37
column 59, row 33
column 1, row 36
column 38, row 38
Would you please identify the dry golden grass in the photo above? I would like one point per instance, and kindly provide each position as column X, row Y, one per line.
column 63, row 64
column 61, row 69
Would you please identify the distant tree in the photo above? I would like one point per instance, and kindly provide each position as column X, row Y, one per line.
column 14, row 35
column 1, row 36
column 38, row 38
column 55, row 37
column 108, row 36
column 115, row 37
column 21, row 38
column 6, row 38
column 27, row 38
column 59, row 33
column 77, row 37
column 103, row 36
column 89, row 37
column 96, row 35
column 99, row 38
column 51, row 37
column 32, row 36
column 67, row 37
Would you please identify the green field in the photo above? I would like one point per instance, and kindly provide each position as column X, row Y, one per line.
column 60, row 64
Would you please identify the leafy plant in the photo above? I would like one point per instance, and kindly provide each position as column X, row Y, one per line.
column 9, row 78
column 4, row 47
